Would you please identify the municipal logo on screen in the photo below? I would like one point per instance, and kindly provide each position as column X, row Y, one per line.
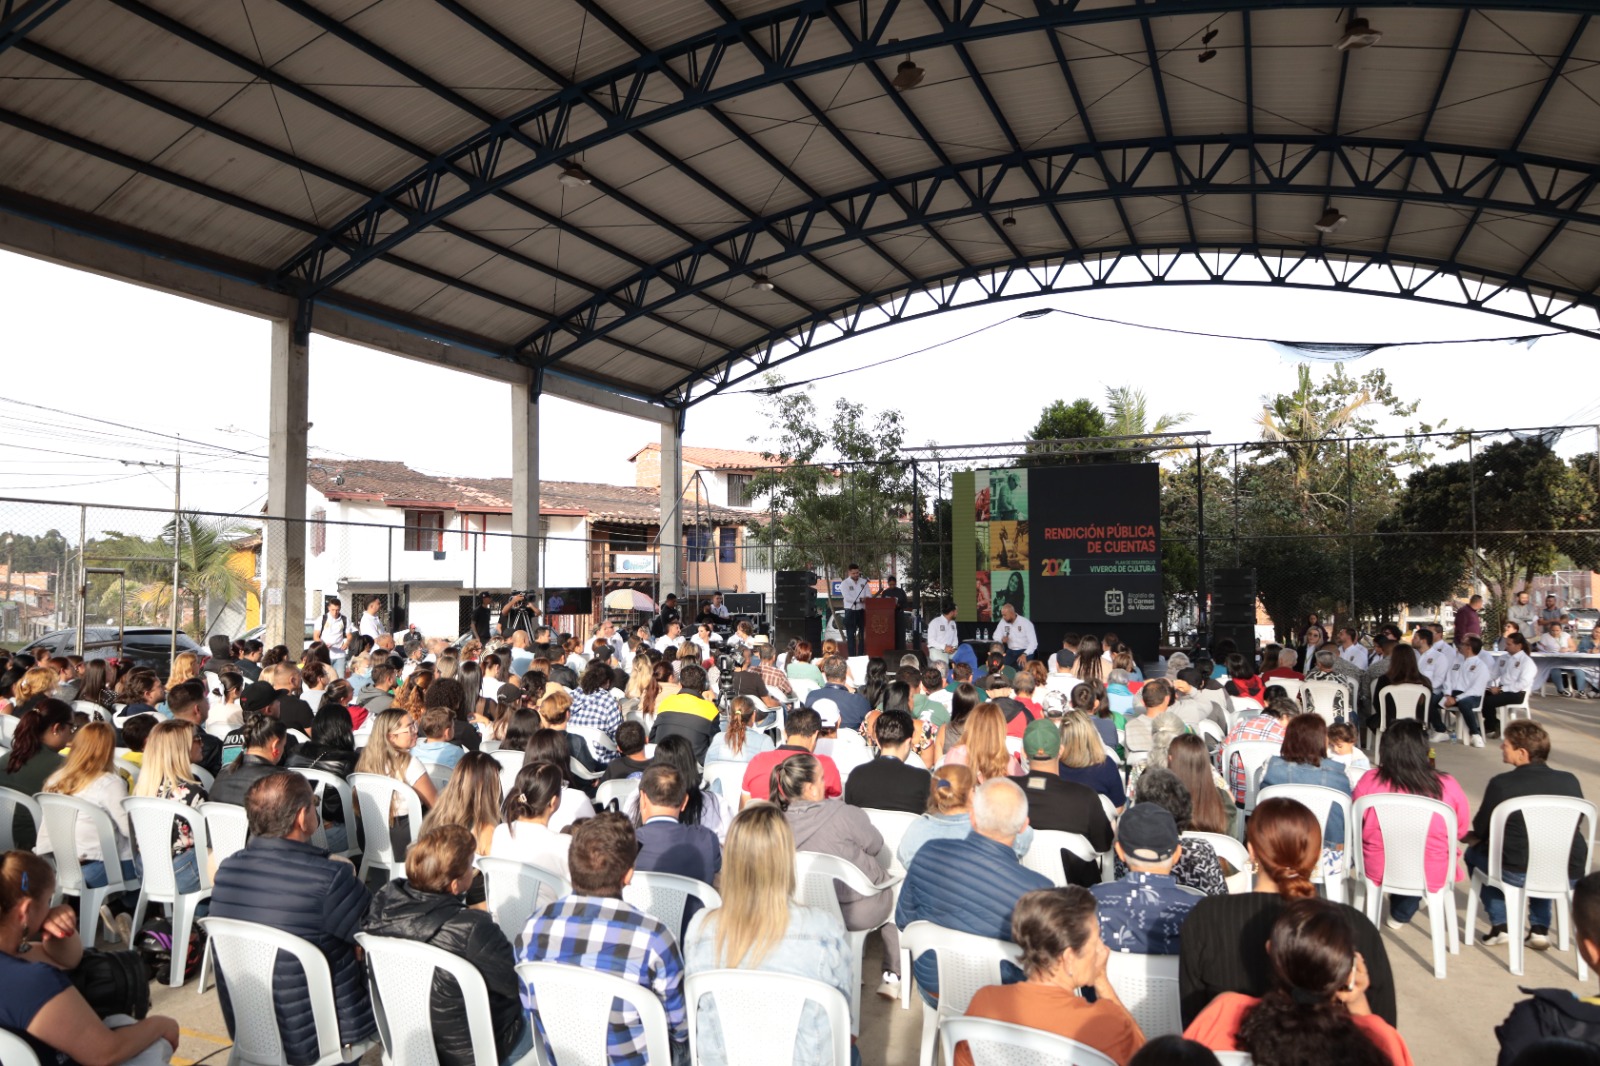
column 1114, row 602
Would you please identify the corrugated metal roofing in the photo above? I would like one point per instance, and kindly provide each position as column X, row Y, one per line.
column 723, row 142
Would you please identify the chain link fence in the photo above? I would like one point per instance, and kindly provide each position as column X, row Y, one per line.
column 1357, row 530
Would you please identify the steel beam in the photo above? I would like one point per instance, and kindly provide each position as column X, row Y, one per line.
column 18, row 18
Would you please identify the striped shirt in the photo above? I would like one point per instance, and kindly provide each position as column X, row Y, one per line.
column 608, row 935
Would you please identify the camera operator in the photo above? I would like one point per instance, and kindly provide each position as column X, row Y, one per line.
column 520, row 612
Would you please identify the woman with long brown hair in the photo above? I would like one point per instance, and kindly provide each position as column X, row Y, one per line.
column 1211, row 808
column 1224, row 946
column 983, row 746
column 90, row 774
column 1316, row 1009
column 741, row 741
column 44, row 728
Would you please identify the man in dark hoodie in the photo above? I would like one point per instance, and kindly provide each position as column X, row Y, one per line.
column 221, row 655
column 379, row 695
column 1555, row 1013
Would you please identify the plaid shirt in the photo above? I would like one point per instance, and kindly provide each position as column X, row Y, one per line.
column 598, row 710
column 775, row 678
column 1258, row 727
column 599, row 933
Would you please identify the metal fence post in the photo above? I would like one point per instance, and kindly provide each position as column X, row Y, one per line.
column 1472, row 485
column 1350, row 521
column 83, row 577
column 388, row 575
column 1202, row 607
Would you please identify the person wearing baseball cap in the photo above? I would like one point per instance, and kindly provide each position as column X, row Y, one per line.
column 1054, row 803
column 1142, row 913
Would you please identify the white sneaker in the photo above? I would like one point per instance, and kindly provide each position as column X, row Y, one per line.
column 1394, row 923
column 1477, row 740
column 1439, row 738
column 890, row 988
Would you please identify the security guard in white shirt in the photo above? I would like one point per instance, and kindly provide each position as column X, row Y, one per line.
column 1469, row 677
column 1513, row 685
column 942, row 638
column 853, row 589
column 1016, row 634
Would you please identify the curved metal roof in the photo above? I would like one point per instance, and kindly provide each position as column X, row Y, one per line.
column 750, row 183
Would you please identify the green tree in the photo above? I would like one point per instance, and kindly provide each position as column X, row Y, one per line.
column 206, row 571
column 1062, row 421
column 1531, row 507
column 843, row 493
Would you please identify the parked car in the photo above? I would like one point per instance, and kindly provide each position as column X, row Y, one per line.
column 260, row 632
column 143, row 645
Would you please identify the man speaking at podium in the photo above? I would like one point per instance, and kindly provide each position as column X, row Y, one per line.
column 1016, row 634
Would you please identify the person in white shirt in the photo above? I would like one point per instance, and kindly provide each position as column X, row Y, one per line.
column 1432, row 659
column 702, row 641
column 942, row 638
column 853, row 589
column 334, row 630
column 1350, row 649
column 717, row 607
column 1469, row 677
column 1556, row 641
column 526, row 836
column 1514, row 683
column 1016, row 633
column 371, row 625
column 672, row 638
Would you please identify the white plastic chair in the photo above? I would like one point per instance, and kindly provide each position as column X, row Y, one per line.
column 726, row 778
column 510, row 762
column 965, row 963
column 373, row 794
column 759, row 1011
column 321, row 782
column 129, row 767
column 574, row 1011
column 207, row 780
column 1044, row 854
column 227, row 828
column 402, row 980
column 1512, row 711
column 815, row 874
column 1321, row 801
column 1210, row 732
column 1148, row 987
column 1254, row 755
column 802, row 688
column 1234, row 1058
column 1552, row 822
column 993, row 1043
column 299, row 737
column 1330, row 700
column 513, row 890
column 1404, row 823
column 892, row 826
column 1231, row 849
column 666, row 896
column 152, row 821
column 61, row 814
column 1408, row 701
column 615, row 791
column 10, row 800
column 247, row 955
column 14, row 1051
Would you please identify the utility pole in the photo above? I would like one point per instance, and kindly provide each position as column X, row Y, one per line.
column 5, row 612
column 177, row 548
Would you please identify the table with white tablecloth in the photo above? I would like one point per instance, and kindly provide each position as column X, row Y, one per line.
column 1549, row 662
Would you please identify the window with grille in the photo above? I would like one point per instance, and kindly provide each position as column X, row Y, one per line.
column 319, row 531
column 424, row 531
column 696, row 544
column 739, row 490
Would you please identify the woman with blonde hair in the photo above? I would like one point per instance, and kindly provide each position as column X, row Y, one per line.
column 470, row 800
column 89, row 774
column 445, row 664
column 388, row 754
column 168, row 774
column 184, row 667
column 983, row 746
column 1084, row 759
column 760, row 926
column 38, row 681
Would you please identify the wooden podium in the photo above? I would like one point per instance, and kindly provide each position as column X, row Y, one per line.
column 880, row 636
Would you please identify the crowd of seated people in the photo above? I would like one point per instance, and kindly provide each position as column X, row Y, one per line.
column 505, row 748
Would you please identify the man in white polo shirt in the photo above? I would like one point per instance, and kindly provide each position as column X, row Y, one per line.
column 853, row 589
column 1016, row 633
column 942, row 638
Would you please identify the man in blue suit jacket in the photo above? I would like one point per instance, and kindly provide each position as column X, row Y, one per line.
column 666, row 845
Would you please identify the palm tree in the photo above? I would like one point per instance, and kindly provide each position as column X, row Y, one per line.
column 1127, row 414
column 205, row 567
column 1306, row 425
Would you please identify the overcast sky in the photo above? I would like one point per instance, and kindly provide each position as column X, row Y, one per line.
column 169, row 366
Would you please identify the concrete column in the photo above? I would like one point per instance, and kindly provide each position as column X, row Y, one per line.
column 525, row 555
column 671, row 570
column 284, row 596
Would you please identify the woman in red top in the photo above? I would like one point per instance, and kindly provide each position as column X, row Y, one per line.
column 1242, row 679
column 1317, row 1010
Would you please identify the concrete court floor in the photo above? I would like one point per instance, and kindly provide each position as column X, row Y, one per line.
column 1445, row 1023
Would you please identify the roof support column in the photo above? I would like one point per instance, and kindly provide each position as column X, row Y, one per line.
column 527, row 550
column 670, row 536
column 284, row 595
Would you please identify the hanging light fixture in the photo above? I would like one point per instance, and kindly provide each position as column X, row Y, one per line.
column 1358, row 33
column 907, row 75
column 762, row 283
column 1009, row 220
column 1331, row 220
column 575, row 177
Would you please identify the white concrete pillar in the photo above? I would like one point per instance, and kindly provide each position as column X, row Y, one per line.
column 671, row 569
column 525, row 547
column 284, row 595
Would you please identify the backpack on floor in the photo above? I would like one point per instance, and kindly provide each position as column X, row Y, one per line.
column 154, row 945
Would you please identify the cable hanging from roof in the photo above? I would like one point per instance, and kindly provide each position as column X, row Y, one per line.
column 1320, row 351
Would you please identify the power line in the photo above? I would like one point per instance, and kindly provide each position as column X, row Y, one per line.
column 123, row 425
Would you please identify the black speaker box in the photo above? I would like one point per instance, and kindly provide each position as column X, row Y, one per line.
column 786, row 629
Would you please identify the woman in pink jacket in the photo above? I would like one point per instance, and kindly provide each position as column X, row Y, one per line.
column 1403, row 768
